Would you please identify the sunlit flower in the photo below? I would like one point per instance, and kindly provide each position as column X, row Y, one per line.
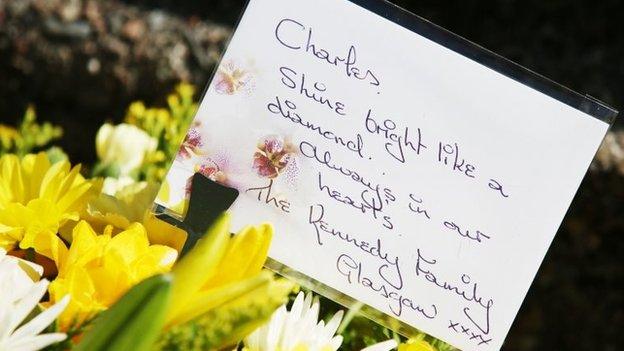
column 220, row 292
column 123, row 147
column 225, row 261
column 34, row 176
column 416, row 345
column 272, row 156
column 100, row 268
column 297, row 329
column 112, row 185
column 19, row 295
column 34, row 226
column 131, row 204
column 37, row 198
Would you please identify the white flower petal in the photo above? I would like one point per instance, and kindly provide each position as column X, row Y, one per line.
column 382, row 346
column 298, row 327
column 5, row 319
column 42, row 320
column 19, row 295
column 28, row 302
column 330, row 329
column 14, row 282
column 335, row 342
column 36, row 342
column 288, row 336
column 298, row 307
column 274, row 332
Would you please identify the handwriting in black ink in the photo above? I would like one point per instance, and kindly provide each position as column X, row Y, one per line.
column 449, row 155
column 396, row 138
column 317, row 92
column 495, row 185
column 290, row 33
column 476, row 235
column 264, row 195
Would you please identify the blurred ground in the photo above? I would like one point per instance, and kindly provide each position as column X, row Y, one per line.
column 82, row 61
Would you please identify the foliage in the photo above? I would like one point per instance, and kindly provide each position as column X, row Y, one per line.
column 28, row 136
column 168, row 125
column 135, row 322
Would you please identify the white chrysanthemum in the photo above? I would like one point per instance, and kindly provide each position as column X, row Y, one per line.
column 300, row 330
column 297, row 329
column 382, row 346
column 19, row 295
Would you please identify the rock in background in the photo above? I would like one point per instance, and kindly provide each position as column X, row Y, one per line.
column 83, row 61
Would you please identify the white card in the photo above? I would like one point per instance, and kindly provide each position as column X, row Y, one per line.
column 394, row 169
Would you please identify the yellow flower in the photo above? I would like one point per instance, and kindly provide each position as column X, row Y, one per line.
column 216, row 268
column 37, row 198
column 8, row 136
column 34, row 226
column 123, row 146
column 28, row 135
column 220, row 292
column 100, row 268
column 132, row 204
column 185, row 90
column 416, row 345
column 167, row 124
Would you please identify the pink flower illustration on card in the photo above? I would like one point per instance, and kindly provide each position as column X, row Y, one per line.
column 209, row 169
column 232, row 78
column 191, row 145
column 212, row 172
column 273, row 155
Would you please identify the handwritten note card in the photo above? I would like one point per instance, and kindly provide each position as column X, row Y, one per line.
column 394, row 169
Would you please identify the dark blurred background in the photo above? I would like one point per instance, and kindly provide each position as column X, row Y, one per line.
column 82, row 61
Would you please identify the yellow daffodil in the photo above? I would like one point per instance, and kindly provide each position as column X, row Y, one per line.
column 100, row 268
column 220, row 292
column 416, row 345
column 218, row 269
column 37, row 198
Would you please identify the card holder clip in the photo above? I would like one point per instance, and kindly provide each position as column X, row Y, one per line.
column 207, row 201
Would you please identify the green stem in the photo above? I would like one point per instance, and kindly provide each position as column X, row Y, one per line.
column 353, row 311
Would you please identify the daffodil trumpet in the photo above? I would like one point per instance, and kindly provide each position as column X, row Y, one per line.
column 214, row 266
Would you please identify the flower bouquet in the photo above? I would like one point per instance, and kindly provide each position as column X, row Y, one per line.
column 85, row 264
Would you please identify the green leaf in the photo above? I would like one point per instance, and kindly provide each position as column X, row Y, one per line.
column 134, row 322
